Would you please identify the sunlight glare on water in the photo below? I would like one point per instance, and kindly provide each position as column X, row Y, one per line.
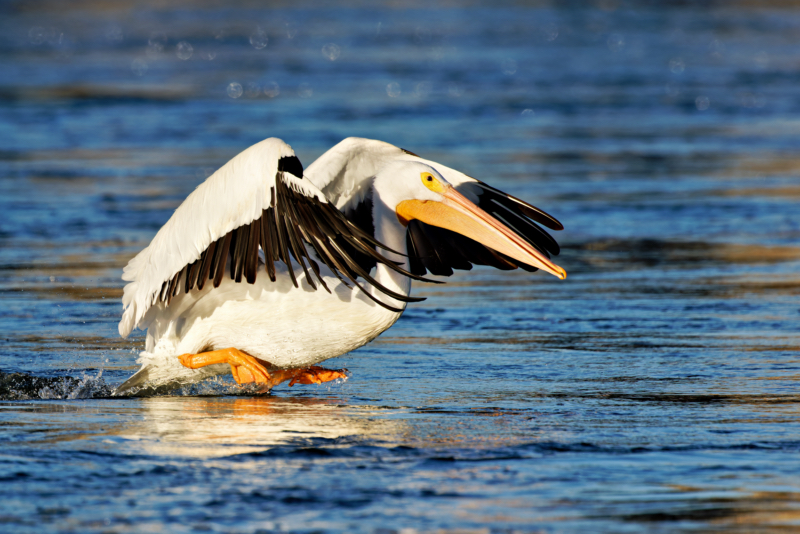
column 655, row 390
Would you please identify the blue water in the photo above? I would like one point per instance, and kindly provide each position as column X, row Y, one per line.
column 655, row 390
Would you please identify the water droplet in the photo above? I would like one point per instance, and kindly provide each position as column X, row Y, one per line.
column 422, row 35
column 676, row 65
column 677, row 35
column 702, row 103
column 393, row 89
column 508, row 66
column 331, row 51
column 550, row 32
column 305, row 91
column 114, row 34
column 65, row 46
column 672, row 89
column 615, row 42
column 53, row 36
column 139, row 66
column 184, row 50
column 291, row 30
column 155, row 48
column 752, row 100
column 716, row 48
column 423, row 89
column 209, row 49
column 271, row 89
column 157, row 38
column 259, row 39
column 436, row 53
column 36, row 35
column 455, row 90
column 52, row 278
column 234, row 90
column 635, row 48
column 252, row 90
column 526, row 113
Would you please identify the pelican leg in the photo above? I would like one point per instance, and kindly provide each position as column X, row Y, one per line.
column 309, row 375
column 244, row 367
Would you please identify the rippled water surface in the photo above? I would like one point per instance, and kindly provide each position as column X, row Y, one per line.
column 655, row 390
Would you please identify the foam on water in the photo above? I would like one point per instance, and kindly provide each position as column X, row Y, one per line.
column 22, row 386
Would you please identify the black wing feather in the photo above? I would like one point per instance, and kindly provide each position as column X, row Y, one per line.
column 428, row 255
column 523, row 207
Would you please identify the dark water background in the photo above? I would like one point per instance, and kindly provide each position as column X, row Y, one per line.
column 655, row 390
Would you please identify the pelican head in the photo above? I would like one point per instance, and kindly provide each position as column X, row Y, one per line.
column 415, row 190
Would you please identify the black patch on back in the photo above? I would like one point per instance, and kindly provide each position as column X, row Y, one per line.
column 292, row 165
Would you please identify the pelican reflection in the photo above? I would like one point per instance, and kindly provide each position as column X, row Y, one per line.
column 221, row 426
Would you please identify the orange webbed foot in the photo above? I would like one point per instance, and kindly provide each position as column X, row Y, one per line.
column 244, row 368
column 317, row 375
column 308, row 375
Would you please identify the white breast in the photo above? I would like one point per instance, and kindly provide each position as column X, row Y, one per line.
column 286, row 326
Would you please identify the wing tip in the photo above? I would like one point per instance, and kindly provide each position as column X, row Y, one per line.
column 531, row 211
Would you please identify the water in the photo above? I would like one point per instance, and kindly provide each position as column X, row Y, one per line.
column 655, row 390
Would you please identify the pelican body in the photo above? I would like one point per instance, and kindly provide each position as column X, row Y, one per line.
column 267, row 270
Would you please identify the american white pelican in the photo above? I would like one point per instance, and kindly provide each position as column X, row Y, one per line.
column 265, row 270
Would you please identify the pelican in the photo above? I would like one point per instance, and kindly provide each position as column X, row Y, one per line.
column 267, row 269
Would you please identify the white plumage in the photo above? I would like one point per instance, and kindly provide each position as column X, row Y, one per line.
column 258, row 218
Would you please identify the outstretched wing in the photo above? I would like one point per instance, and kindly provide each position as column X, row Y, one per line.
column 345, row 173
column 258, row 200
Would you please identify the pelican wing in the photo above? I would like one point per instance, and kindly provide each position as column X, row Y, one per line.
column 256, row 209
column 345, row 173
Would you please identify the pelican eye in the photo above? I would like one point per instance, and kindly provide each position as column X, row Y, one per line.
column 431, row 182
